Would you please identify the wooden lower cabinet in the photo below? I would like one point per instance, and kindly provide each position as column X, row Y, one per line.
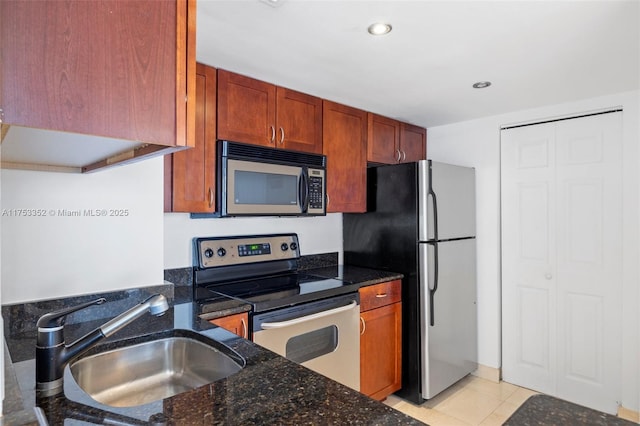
column 381, row 340
column 237, row 324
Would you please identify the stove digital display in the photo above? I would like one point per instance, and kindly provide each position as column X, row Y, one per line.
column 254, row 249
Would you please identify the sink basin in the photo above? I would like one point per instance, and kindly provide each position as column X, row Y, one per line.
column 151, row 371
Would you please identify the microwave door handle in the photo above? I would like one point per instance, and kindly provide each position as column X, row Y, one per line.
column 303, row 190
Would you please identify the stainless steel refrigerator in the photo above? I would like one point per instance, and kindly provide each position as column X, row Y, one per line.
column 420, row 221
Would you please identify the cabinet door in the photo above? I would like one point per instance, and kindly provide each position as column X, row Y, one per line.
column 110, row 68
column 381, row 351
column 192, row 173
column 413, row 143
column 383, row 141
column 237, row 324
column 344, row 133
column 378, row 295
column 299, row 121
column 246, row 109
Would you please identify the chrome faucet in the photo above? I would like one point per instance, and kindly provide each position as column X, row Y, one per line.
column 52, row 354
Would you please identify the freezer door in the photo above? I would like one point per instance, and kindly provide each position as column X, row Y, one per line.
column 448, row 200
column 448, row 314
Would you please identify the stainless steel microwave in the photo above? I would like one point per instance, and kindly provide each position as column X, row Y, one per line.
column 260, row 181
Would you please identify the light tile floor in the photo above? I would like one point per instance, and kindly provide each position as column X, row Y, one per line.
column 472, row 401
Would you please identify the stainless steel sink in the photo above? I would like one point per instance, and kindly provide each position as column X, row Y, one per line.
column 151, row 371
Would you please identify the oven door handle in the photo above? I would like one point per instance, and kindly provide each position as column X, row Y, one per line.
column 282, row 324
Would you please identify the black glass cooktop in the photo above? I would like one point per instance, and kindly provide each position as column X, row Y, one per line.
column 278, row 291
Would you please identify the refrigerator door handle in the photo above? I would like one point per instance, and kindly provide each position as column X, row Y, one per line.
column 434, row 202
column 434, row 288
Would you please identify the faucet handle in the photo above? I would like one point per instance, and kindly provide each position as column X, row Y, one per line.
column 56, row 319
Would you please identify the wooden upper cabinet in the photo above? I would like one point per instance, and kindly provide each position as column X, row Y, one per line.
column 190, row 175
column 119, row 69
column 344, row 134
column 390, row 141
column 260, row 113
column 413, row 142
column 246, row 109
column 383, row 141
column 299, row 121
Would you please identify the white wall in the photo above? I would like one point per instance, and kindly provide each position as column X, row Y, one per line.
column 316, row 234
column 477, row 143
column 55, row 255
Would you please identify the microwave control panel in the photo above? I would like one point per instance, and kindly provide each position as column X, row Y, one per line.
column 316, row 191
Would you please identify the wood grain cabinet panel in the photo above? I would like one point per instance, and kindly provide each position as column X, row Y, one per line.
column 381, row 339
column 299, row 121
column 413, row 142
column 260, row 113
column 383, row 141
column 237, row 324
column 390, row 141
column 246, row 109
column 344, row 134
column 377, row 295
column 190, row 175
column 119, row 69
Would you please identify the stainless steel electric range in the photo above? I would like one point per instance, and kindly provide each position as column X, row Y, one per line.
column 312, row 320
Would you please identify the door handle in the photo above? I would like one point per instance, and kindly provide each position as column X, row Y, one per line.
column 245, row 333
column 289, row 323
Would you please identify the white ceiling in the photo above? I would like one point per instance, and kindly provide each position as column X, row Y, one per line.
column 534, row 52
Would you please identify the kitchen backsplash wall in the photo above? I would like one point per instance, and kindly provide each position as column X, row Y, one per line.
column 69, row 234
column 316, row 234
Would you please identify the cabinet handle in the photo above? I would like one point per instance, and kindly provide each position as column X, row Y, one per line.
column 281, row 135
column 327, row 195
column 244, row 328
column 381, row 295
column 364, row 326
column 210, row 196
column 404, row 155
column 273, row 134
column 399, row 155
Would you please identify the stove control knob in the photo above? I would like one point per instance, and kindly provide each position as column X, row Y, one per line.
column 222, row 252
column 284, row 247
column 293, row 246
column 208, row 253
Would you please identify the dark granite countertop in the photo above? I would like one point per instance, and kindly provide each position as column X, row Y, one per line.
column 269, row 390
column 543, row 410
column 355, row 274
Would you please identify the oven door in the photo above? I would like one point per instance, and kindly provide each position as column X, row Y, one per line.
column 323, row 336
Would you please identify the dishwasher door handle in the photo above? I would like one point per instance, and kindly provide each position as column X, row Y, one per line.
column 282, row 324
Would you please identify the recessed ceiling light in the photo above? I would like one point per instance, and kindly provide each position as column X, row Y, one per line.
column 379, row 28
column 481, row 84
column 273, row 3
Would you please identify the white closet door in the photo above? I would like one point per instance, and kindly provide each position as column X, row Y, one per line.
column 562, row 260
column 528, row 257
